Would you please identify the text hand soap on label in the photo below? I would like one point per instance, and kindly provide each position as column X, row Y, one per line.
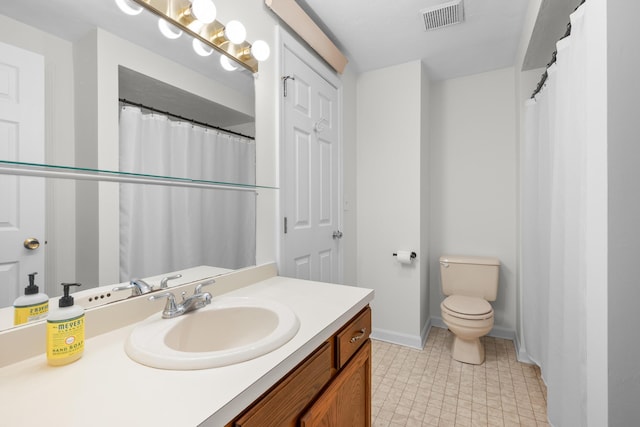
column 65, row 330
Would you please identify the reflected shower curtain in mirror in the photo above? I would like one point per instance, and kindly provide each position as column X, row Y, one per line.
column 165, row 228
column 563, row 253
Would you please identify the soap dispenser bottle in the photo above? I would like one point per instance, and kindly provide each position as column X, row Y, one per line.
column 33, row 305
column 65, row 330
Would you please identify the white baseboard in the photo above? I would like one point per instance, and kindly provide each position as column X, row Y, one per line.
column 424, row 334
column 419, row 342
column 437, row 322
column 521, row 352
column 412, row 341
column 496, row 332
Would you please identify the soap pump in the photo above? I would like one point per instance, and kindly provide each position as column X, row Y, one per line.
column 33, row 305
column 65, row 330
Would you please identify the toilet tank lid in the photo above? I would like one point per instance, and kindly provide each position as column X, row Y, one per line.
column 458, row 259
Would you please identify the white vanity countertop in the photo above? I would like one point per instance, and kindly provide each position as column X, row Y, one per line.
column 106, row 388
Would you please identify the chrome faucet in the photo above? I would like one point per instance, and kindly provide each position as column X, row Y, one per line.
column 165, row 280
column 137, row 286
column 196, row 301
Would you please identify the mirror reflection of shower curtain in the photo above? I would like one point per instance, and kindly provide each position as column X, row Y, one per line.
column 166, row 228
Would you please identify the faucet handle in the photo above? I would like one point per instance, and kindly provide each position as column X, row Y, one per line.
column 171, row 308
column 165, row 280
column 137, row 286
column 198, row 289
column 122, row 288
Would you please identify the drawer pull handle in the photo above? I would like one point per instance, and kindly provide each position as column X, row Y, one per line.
column 359, row 336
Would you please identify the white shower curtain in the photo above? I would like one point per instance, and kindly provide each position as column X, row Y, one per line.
column 167, row 228
column 558, row 162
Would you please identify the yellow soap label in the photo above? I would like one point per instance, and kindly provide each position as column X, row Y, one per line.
column 65, row 337
column 29, row 313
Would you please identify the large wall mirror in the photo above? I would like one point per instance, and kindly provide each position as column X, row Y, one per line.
column 94, row 58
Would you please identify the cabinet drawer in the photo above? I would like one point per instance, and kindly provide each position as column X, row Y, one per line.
column 281, row 405
column 352, row 336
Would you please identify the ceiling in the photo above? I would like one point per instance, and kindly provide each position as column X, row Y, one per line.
column 379, row 33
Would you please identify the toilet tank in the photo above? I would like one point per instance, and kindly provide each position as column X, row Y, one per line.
column 470, row 276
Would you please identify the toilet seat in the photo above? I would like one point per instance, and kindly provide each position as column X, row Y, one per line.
column 465, row 307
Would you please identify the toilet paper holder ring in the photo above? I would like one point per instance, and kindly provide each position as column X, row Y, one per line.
column 413, row 255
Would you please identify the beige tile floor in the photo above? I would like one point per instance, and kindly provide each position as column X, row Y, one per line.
column 427, row 388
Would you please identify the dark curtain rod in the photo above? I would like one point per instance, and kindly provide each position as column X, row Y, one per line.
column 545, row 75
column 175, row 116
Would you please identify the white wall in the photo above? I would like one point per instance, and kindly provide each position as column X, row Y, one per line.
column 525, row 83
column 389, row 215
column 59, row 145
column 349, row 176
column 425, row 200
column 474, row 181
column 623, row 63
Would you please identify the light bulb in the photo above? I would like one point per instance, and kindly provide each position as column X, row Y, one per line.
column 168, row 30
column 129, row 7
column 201, row 48
column 235, row 32
column 260, row 50
column 227, row 64
column 204, row 11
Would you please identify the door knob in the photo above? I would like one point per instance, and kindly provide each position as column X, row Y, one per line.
column 337, row 234
column 31, row 243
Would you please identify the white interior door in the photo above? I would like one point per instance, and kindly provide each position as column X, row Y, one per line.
column 311, row 181
column 21, row 198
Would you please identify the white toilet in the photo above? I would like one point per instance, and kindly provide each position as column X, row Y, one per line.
column 469, row 283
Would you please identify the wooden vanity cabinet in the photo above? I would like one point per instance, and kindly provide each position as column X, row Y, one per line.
column 330, row 388
column 346, row 401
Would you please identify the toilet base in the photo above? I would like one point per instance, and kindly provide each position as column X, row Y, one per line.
column 467, row 351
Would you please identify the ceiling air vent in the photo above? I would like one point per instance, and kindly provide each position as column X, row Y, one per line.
column 443, row 15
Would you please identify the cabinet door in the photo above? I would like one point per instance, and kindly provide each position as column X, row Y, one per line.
column 282, row 405
column 347, row 400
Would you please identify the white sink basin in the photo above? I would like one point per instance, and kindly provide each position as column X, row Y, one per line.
column 229, row 330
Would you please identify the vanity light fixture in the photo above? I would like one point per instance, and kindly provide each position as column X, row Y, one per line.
column 204, row 11
column 168, row 30
column 226, row 63
column 197, row 19
column 129, row 7
column 260, row 50
column 235, row 32
column 201, row 48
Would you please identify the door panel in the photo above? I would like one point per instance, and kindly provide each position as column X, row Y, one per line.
column 326, row 266
column 303, row 267
column 302, row 219
column 302, row 96
column 325, row 169
column 311, row 178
